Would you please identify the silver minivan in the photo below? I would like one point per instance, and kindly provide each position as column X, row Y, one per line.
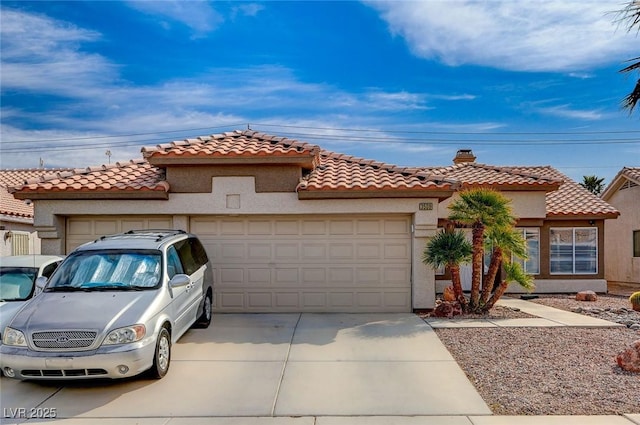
column 112, row 309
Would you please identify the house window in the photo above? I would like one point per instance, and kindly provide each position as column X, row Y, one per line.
column 636, row 243
column 574, row 250
column 532, row 238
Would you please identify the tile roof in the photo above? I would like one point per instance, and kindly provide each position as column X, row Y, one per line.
column 630, row 175
column 571, row 199
column 325, row 174
column 136, row 177
column 247, row 145
column 10, row 206
column 337, row 172
column 472, row 175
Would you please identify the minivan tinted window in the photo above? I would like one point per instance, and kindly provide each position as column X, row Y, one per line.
column 192, row 254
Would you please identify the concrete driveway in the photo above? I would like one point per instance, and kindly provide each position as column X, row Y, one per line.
column 263, row 365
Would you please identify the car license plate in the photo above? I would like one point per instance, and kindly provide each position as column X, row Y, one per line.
column 59, row 362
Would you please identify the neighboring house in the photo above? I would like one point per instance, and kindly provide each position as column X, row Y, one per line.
column 17, row 234
column 622, row 240
column 290, row 227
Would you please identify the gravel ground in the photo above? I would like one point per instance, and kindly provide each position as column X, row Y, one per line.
column 549, row 371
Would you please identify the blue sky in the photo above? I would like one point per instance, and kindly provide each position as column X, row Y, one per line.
column 407, row 83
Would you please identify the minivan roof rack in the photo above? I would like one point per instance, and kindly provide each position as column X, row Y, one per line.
column 159, row 234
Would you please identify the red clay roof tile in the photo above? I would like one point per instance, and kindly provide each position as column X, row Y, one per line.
column 571, row 199
column 10, row 206
column 331, row 173
column 132, row 176
column 337, row 172
column 231, row 146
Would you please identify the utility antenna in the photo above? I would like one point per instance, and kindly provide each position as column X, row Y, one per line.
column 248, row 126
column 108, row 153
column 41, row 162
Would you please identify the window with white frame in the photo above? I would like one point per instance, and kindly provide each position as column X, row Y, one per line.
column 574, row 250
column 531, row 236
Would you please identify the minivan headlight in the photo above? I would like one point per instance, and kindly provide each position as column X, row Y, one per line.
column 125, row 335
column 13, row 337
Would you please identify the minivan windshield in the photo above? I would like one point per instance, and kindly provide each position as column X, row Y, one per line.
column 108, row 270
column 16, row 283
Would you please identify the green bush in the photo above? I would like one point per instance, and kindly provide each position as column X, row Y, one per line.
column 635, row 298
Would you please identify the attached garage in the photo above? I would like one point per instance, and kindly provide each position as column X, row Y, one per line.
column 318, row 263
column 311, row 263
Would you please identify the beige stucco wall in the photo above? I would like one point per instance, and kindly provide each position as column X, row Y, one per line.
column 524, row 204
column 237, row 196
column 620, row 265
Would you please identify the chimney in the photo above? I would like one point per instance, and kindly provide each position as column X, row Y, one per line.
column 464, row 155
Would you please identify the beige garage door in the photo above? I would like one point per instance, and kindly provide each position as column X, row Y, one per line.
column 89, row 228
column 312, row 264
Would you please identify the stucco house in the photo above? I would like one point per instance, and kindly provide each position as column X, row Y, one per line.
column 291, row 227
column 17, row 234
column 622, row 236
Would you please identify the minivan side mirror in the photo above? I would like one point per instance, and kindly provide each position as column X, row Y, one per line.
column 179, row 280
column 41, row 282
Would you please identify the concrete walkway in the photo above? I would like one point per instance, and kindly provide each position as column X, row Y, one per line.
column 546, row 317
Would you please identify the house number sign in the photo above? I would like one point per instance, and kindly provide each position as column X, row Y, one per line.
column 425, row 206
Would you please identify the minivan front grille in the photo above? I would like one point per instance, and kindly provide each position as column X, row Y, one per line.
column 63, row 339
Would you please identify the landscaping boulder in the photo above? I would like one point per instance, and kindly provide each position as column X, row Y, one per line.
column 449, row 294
column 629, row 359
column 586, row 296
column 447, row 309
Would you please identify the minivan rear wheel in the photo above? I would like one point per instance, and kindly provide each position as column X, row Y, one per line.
column 207, row 310
column 162, row 357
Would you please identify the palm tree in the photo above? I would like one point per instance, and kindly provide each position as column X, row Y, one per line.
column 631, row 16
column 449, row 248
column 593, row 184
column 503, row 243
column 513, row 273
column 479, row 209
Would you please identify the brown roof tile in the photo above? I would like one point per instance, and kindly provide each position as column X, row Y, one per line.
column 337, row 172
column 472, row 174
column 632, row 173
column 232, row 146
column 108, row 180
column 10, row 206
column 329, row 173
column 571, row 199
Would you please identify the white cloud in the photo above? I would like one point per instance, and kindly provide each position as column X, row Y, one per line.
column 40, row 54
column 198, row 15
column 560, row 35
column 565, row 111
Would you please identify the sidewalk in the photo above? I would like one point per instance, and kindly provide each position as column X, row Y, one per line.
column 546, row 317
column 358, row 420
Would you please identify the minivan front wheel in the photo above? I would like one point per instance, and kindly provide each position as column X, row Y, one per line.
column 162, row 357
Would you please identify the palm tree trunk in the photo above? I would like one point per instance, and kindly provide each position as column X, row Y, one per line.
column 490, row 277
column 476, row 265
column 500, row 290
column 457, row 285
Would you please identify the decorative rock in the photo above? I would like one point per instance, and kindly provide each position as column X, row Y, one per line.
column 629, row 359
column 449, row 294
column 447, row 309
column 586, row 296
column 635, row 327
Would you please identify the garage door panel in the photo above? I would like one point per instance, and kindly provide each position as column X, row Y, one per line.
column 319, row 263
column 82, row 229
